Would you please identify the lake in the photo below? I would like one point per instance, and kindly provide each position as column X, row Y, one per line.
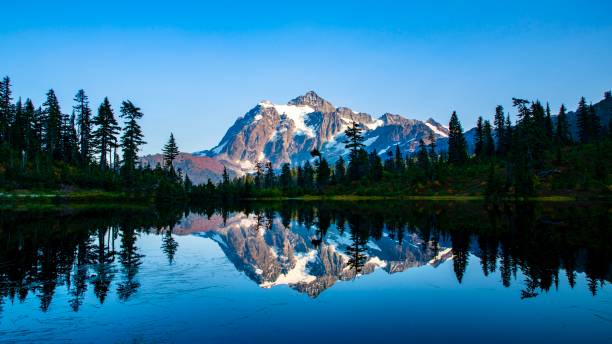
column 292, row 272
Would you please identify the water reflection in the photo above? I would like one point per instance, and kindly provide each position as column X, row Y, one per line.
column 308, row 247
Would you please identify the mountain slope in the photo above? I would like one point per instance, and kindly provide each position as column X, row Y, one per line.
column 287, row 133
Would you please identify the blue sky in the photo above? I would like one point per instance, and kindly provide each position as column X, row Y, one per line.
column 195, row 67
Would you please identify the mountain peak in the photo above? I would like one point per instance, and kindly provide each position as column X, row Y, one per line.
column 312, row 99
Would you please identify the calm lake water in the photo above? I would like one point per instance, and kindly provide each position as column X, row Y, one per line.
column 309, row 272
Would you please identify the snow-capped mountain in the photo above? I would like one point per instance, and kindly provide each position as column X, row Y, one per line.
column 287, row 133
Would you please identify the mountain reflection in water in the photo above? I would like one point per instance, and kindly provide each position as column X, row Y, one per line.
column 307, row 246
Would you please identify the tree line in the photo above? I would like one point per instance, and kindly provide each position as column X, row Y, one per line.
column 43, row 147
column 536, row 154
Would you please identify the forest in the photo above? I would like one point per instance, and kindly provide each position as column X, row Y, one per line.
column 43, row 148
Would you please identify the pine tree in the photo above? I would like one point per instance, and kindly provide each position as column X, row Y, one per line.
column 433, row 155
column 104, row 136
column 583, row 121
column 5, row 109
column 423, row 158
column 170, row 151
column 132, row 137
column 308, row 172
column 285, row 177
column 340, row 170
column 269, row 177
column 69, row 140
column 323, row 173
column 562, row 133
column 53, row 126
column 33, row 129
column 18, row 128
column 354, row 143
column 84, row 125
column 399, row 160
column 500, row 126
column 457, row 146
column 375, row 166
column 488, row 148
column 595, row 124
column 479, row 139
column 548, row 124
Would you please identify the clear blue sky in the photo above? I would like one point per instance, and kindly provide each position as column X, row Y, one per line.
column 194, row 68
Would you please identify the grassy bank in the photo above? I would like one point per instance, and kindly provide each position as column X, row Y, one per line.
column 460, row 198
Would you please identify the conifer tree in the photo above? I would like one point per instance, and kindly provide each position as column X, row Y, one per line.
column 69, row 139
column 479, row 139
column 170, row 151
column 340, row 170
column 375, row 166
column 105, row 134
column 285, row 177
column 323, row 173
column 595, row 124
column 500, row 126
column 5, row 108
column 423, row 157
column 53, row 126
column 308, row 172
column 84, row 125
column 354, row 143
column 548, row 123
column 132, row 137
column 562, row 133
column 488, row 148
column 399, row 160
column 269, row 177
column 457, row 146
column 18, row 128
column 583, row 121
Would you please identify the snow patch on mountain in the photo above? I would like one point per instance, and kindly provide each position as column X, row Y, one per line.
column 436, row 130
column 296, row 113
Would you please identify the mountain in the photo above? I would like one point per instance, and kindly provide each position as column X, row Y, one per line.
column 287, row 133
column 198, row 168
column 282, row 133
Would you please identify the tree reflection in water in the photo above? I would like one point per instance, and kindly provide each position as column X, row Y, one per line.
column 548, row 244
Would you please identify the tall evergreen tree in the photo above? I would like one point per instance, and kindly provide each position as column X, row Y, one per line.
column 132, row 137
column 399, row 160
column 33, row 129
column 285, row 177
column 170, row 151
column 84, row 125
column 488, row 146
column 500, row 126
column 423, row 158
column 562, row 133
column 18, row 128
column 5, row 108
column 53, row 126
column 479, row 139
column 457, row 146
column 375, row 166
column 269, row 177
column 69, row 140
column 104, row 137
column 583, row 121
column 548, row 123
column 340, row 170
column 595, row 124
column 354, row 143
